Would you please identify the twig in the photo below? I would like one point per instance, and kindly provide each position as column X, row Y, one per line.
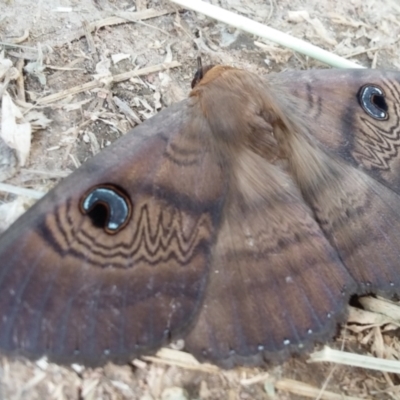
column 64, row 68
column 94, row 26
column 20, row 81
column 134, row 16
column 73, row 132
column 125, row 109
column 116, row 78
column 266, row 32
column 89, row 37
column 69, row 66
column 128, row 17
column 22, row 38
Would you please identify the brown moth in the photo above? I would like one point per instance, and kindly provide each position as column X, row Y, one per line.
column 241, row 219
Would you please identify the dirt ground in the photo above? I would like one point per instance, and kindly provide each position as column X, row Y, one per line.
column 56, row 43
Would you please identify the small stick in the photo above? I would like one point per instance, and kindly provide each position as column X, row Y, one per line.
column 116, row 78
column 109, row 21
column 89, row 37
column 20, row 81
column 74, row 132
column 125, row 109
column 22, row 38
column 128, row 17
column 68, row 67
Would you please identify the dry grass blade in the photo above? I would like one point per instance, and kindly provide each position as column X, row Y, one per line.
column 266, row 32
column 302, row 389
column 381, row 306
column 180, row 359
column 355, row 360
column 35, row 194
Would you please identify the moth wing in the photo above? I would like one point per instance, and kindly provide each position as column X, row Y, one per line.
column 336, row 110
column 344, row 157
column 276, row 284
column 73, row 291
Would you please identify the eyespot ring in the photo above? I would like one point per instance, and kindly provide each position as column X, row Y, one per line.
column 108, row 206
column 372, row 100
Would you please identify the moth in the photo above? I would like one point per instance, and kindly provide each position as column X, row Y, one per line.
column 241, row 219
